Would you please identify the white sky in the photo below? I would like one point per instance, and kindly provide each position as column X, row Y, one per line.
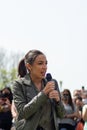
column 56, row 27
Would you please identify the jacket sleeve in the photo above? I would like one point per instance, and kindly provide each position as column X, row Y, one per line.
column 59, row 107
column 60, row 111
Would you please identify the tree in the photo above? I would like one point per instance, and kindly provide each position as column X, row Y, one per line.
column 2, row 58
column 8, row 67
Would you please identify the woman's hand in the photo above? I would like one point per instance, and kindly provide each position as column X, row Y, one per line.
column 50, row 86
column 54, row 95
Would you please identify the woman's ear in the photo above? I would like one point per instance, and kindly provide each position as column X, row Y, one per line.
column 28, row 66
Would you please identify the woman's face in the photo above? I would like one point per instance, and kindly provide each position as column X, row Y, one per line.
column 65, row 95
column 39, row 67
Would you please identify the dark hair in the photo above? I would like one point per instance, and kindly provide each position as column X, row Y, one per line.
column 78, row 98
column 22, row 68
column 29, row 58
column 9, row 94
column 70, row 98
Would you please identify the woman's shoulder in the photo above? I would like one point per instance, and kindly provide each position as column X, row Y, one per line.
column 84, row 106
column 21, row 80
column 84, row 112
column 18, row 81
column 84, row 109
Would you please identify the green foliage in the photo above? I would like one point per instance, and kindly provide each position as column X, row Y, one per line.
column 8, row 67
column 6, row 77
column 13, row 74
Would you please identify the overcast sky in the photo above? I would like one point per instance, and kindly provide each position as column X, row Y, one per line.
column 56, row 27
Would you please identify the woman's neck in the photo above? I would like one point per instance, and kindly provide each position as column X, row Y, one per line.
column 66, row 102
column 37, row 82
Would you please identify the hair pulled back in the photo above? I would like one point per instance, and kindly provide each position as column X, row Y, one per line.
column 29, row 58
column 22, row 71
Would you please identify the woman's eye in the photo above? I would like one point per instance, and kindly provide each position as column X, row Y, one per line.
column 40, row 63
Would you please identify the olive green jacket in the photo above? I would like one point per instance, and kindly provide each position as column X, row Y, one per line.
column 29, row 104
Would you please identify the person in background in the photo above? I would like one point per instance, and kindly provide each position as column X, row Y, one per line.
column 68, row 122
column 79, row 104
column 5, row 112
column 84, row 116
column 37, row 101
column 76, row 93
column 84, row 97
column 8, row 93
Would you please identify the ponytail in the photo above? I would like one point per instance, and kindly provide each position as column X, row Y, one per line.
column 22, row 71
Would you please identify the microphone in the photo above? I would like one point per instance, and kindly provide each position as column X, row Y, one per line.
column 48, row 77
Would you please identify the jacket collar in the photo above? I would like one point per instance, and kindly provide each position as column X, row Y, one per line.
column 27, row 80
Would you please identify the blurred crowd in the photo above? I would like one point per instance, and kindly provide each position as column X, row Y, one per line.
column 75, row 116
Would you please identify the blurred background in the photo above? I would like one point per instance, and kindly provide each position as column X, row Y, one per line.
column 58, row 28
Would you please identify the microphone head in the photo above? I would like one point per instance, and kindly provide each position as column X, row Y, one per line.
column 48, row 77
